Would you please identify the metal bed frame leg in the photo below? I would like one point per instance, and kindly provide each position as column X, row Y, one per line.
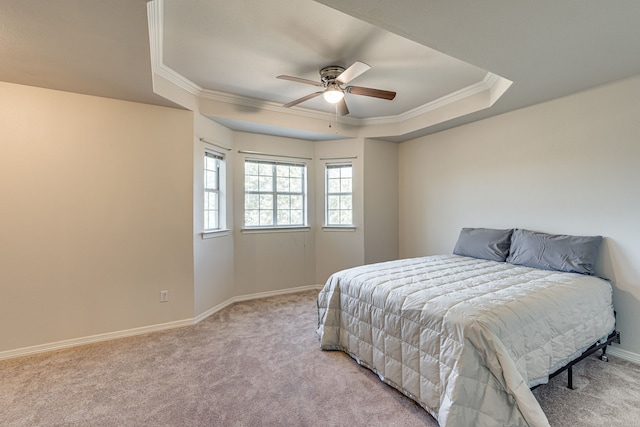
column 613, row 337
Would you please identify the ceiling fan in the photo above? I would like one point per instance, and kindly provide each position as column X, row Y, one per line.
column 332, row 79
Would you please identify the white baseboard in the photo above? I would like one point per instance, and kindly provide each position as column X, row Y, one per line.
column 59, row 345
column 623, row 354
column 258, row 295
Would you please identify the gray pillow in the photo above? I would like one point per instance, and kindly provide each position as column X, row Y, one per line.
column 485, row 243
column 574, row 254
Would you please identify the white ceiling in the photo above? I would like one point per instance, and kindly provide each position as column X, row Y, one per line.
column 85, row 46
column 240, row 48
column 547, row 48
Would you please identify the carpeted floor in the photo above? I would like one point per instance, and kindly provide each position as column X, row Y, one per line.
column 258, row 363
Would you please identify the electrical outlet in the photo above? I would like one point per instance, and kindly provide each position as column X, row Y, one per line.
column 164, row 296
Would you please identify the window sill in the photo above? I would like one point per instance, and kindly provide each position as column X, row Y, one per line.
column 339, row 228
column 258, row 230
column 214, row 233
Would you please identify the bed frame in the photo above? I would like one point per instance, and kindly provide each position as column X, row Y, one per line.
column 613, row 337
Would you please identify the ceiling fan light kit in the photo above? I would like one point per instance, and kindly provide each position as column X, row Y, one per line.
column 333, row 95
column 332, row 78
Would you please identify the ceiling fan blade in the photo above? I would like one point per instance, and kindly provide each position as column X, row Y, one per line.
column 352, row 72
column 342, row 108
column 304, row 98
column 300, row 80
column 367, row 91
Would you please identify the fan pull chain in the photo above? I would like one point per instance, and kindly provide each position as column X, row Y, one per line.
column 336, row 126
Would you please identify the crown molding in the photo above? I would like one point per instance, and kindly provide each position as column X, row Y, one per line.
column 491, row 79
column 487, row 82
column 155, row 10
column 179, row 80
column 155, row 16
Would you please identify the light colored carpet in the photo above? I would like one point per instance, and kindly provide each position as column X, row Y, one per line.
column 258, row 363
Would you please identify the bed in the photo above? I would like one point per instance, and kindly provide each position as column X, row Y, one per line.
column 468, row 335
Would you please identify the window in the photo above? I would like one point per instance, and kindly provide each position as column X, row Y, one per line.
column 213, row 164
column 339, row 192
column 275, row 194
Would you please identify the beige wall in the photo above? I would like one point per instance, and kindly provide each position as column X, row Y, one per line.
column 95, row 218
column 102, row 209
column 272, row 261
column 214, row 263
column 339, row 249
column 101, row 205
column 568, row 166
column 380, row 201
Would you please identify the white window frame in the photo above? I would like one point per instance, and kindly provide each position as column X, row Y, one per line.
column 274, row 193
column 341, row 193
column 216, row 191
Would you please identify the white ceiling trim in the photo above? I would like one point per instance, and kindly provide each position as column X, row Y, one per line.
column 155, row 17
column 489, row 81
column 493, row 83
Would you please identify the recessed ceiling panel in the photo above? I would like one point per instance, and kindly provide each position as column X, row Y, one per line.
column 240, row 47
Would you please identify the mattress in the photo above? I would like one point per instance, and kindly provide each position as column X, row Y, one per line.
column 466, row 338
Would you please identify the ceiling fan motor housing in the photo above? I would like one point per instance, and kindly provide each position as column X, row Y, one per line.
column 330, row 74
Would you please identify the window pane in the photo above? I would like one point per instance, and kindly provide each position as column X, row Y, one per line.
column 251, row 183
column 297, row 202
column 266, row 217
column 296, row 185
column 250, row 168
column 268, row 198
column 265, row 183
column 251, row 217
column 211, row 179
column 212, row 216
column 345, row 217
column 333, row 202
column 211, row 163
column 339, row 197
column 284, row 217
column 251, row 201
column 265, row 169
column 211, row 220
column 284, row 202
column 334, row 186
column 297, row 217
column 282, row 184
column 266, row 202
column 345, row 202
column 211, row 201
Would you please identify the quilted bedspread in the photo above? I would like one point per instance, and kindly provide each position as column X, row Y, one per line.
column 465, row 338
